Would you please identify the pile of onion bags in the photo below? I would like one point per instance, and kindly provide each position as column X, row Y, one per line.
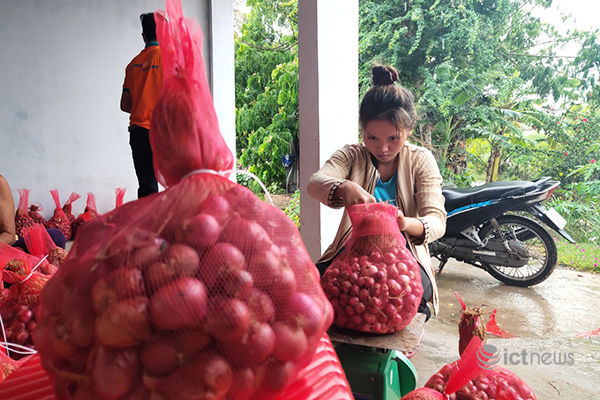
column 374, row 285
column 201, row 291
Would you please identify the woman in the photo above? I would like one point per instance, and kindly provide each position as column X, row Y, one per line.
column 386, row 168
column 7, row 213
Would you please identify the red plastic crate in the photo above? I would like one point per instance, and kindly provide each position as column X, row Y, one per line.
column 29, row 382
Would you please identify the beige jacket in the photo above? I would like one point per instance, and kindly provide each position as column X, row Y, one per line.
column 418, row 195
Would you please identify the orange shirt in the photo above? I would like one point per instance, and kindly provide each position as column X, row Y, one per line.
column 143, row 80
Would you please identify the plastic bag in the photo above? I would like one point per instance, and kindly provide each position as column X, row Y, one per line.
column 59, row 220
column 40, row 244
column 22, row 218
column 374, row 285
column 190, row 292
column 68, row 206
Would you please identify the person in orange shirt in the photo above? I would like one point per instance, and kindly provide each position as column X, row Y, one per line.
column 143, row 81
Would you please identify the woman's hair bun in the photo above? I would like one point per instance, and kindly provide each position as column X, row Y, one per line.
column 384, row 75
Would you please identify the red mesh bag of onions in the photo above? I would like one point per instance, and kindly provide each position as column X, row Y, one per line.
column 59, row 219
column 22, row 218
column 19, row 303
column 190, row 293
column 40, row 244
column 374, row 285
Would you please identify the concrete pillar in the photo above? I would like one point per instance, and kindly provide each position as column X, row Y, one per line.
column 222, row 67
column 328, row 69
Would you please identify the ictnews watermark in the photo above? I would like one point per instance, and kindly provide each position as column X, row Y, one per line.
column 488, row 357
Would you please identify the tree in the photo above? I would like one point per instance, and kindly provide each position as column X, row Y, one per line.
column 266, row 69
column 476, row 67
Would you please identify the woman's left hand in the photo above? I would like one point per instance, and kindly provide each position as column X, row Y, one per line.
column 401, row 221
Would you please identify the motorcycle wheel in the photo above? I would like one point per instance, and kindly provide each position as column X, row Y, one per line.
column 534, row 238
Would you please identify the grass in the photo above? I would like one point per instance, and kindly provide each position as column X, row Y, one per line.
column 579, row 256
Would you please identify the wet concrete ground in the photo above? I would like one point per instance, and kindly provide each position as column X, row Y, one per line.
column 545, row 318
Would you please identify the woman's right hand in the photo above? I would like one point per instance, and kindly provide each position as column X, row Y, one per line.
column 352, row 193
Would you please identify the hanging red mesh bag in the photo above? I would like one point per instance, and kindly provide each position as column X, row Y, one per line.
column 190, row 293
column 374, row 285
column 68, row 206
column 120, row 195
column 22, row 218
column 59, row 220
column 34, row 213
column 90, row 212
column 40, row 244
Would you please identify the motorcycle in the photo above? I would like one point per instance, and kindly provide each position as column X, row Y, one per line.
column 482, row 230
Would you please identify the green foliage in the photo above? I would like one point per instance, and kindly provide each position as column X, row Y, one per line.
column 266, row 67
column 477, row 69
column 292, row 210
column 583, row 256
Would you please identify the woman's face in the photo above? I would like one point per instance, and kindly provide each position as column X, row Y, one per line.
column 383, row 140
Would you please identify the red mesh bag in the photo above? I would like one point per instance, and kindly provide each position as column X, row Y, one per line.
column 471, row 324
column 34, row 213
column 474, row 375
column 192, row 292
column 90, row 212
column 374, row 285
column 68, row 206
column 120, row 195
column 59, row 220
column 8, row 365
column 22, row 218
column 19, row 304
column 40, row 244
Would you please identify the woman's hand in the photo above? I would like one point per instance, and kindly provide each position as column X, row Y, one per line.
column 402, row 221
column 352, row 193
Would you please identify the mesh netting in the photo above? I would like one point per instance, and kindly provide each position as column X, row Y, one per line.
column 374, row 285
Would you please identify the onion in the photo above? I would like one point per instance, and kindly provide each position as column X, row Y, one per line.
column 290, row 342
column 303, row 312
column 114, row 372
column 227, row 319
column 179, row 304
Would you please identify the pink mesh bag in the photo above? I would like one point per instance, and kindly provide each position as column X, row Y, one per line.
column 40, row 244
column 191, row 292
column 374, row 285
column 59, row 219
column 22, row 219
column 67, row 207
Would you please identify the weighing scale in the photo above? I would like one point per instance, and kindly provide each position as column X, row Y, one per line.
column 374, row 364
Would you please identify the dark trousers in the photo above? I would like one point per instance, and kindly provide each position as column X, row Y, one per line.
column 139, row 140
column 57, row 237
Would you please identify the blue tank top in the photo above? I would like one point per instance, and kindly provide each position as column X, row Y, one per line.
column 386, row 191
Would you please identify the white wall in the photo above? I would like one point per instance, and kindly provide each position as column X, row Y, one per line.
column 328, row 69
column 63, row 64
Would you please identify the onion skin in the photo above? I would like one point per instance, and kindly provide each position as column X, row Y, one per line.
column 125, row 324
column 114, row 372
column 179, row 304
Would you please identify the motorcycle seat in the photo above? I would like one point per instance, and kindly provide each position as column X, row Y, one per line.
column 459, row 197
